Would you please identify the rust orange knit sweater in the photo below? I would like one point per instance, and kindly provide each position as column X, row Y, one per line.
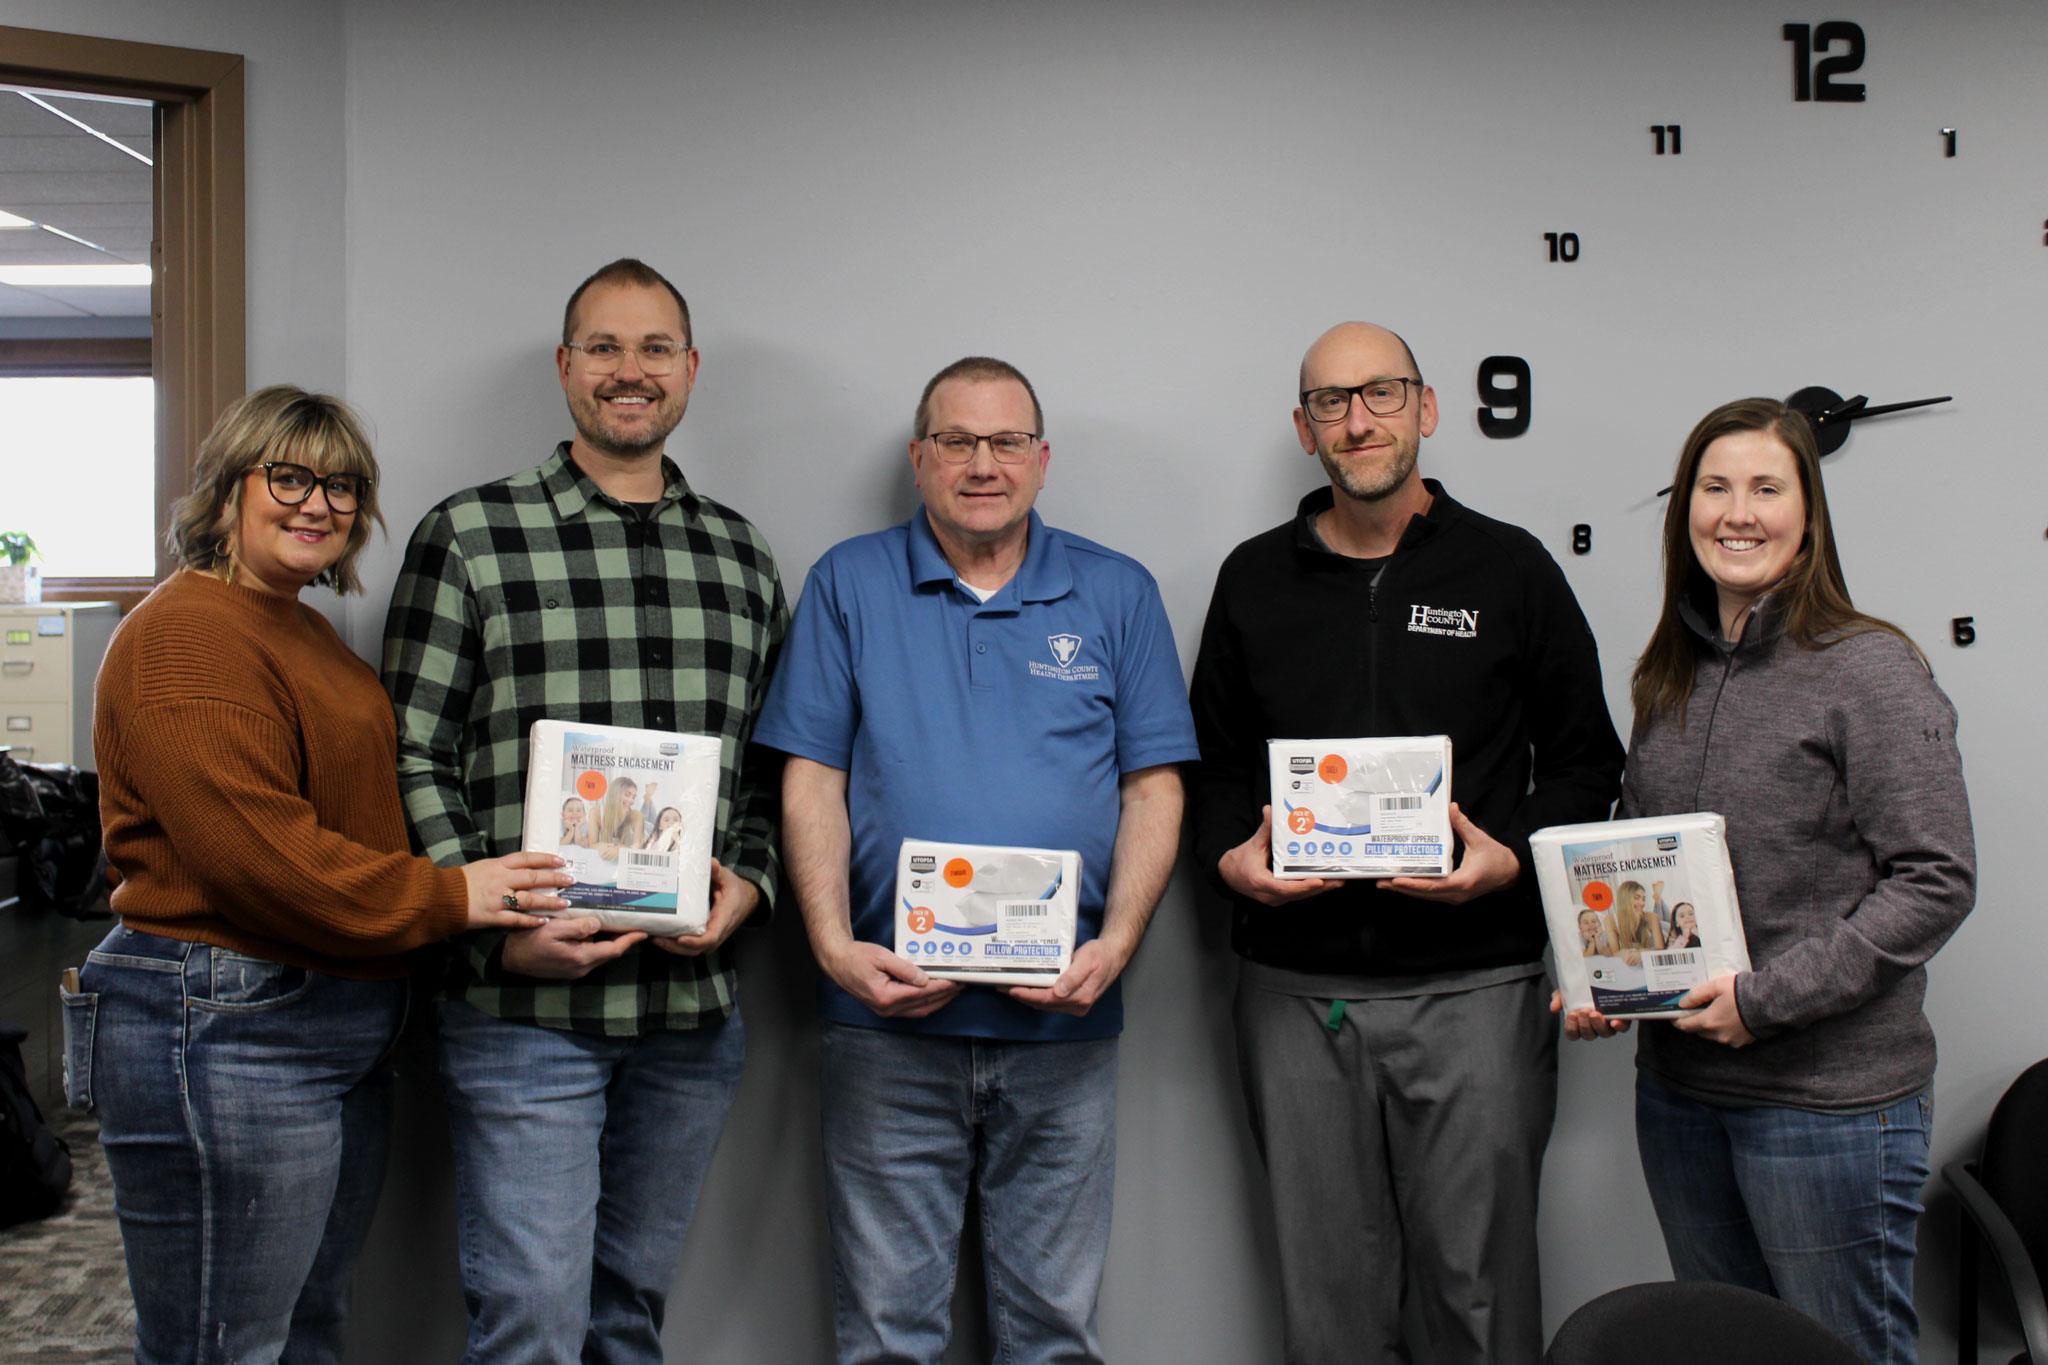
column 248, row 792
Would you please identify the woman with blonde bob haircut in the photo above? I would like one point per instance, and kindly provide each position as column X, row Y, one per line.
column 234, row 1032
column 1784, row 1125
column 280, row 423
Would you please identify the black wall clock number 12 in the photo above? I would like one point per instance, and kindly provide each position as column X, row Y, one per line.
column 1815, row 80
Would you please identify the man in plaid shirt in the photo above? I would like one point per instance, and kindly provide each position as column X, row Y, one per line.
column 587, row 1073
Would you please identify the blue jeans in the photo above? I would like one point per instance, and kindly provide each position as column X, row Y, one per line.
column 245, row 1111
column 577, row 1165
column 1821, row 1210
column 909, row 1120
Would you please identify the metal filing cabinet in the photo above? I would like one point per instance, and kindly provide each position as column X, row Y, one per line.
column 49, row 657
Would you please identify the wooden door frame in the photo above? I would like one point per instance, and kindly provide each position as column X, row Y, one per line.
column 197, row 293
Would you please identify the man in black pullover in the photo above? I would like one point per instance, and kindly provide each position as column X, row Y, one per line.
column 1394, row 1039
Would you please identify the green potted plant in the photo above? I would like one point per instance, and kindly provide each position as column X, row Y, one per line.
column 20, row 581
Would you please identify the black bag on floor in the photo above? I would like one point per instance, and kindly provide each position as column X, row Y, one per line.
column 35, row 1164
column 50, row 812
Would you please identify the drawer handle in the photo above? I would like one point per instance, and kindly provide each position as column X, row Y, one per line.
column 17, row 668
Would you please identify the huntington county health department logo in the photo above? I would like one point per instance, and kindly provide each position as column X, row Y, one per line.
column 1065, row 650
column 1458, row 622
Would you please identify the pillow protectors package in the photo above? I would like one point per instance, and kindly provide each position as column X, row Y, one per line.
column 981, row 912
column 631, row 813
column 1361, row 807
column 1640, row 911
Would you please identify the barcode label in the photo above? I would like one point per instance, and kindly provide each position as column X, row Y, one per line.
column 1673, row 970
column 1402, row 802
column 1030, row 921
column 637, row 859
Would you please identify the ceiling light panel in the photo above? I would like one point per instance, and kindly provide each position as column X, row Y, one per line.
column 75, row 276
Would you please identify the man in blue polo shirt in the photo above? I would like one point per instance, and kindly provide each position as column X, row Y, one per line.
column 974, row 676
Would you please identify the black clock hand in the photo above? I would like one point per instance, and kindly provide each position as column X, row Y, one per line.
column 1831, row 415
column 1901, row 407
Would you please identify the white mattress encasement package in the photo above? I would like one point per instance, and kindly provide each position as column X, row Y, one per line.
column 1361, row 807
column 631, row 813
column 982, row 912
column 1640, row 911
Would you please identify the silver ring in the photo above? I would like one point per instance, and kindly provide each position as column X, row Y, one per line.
column 511, row 900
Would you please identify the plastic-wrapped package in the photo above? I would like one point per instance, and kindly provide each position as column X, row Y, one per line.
column 631, row 812
column 1351, row 808
column 1640, row 911
column 983, row 912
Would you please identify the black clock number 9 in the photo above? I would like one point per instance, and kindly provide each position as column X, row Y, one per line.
column 1818, row 82
column 1496, row 395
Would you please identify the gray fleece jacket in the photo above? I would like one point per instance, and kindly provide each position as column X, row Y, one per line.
column 1849, row 830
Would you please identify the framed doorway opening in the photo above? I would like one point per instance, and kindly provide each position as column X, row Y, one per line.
column 198, row 302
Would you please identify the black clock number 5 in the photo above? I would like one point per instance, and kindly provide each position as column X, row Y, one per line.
column 1496, row 396
column 1813, row 80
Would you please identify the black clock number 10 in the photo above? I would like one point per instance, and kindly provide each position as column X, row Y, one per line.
column 1813, row 80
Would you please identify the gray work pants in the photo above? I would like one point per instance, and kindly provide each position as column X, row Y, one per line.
column 1403, row 1149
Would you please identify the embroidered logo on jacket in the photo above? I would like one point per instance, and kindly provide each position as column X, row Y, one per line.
column 1453, row 621
column 1065, row 649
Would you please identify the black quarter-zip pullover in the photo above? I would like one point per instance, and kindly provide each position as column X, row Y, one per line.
column 1468, row 629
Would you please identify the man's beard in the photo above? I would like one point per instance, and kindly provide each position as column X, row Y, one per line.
column 1372, row 483
column 590, row 416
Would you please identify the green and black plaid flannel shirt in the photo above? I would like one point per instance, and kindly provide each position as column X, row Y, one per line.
column 539, row 597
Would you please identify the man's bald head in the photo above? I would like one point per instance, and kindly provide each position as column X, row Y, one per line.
column 1368, row 449
column 1350, row 338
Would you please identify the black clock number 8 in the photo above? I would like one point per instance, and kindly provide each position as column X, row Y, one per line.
column 1496, row 396
column 1819, row 82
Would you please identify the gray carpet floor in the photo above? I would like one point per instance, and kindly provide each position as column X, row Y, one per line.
column 63, row 1283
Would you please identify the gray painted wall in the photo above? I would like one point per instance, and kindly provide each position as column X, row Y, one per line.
column 1153, row 209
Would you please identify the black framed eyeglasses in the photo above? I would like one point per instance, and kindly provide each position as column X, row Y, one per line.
column 605, row 357
column 958, row 447
column 291, row 484
column 1382, row 398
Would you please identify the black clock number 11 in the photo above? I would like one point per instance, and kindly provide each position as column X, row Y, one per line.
column 1813, row 80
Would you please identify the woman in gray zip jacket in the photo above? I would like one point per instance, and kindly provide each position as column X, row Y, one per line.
column 1789, row 1118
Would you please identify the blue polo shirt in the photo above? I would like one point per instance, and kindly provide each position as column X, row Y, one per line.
column 1008, row 721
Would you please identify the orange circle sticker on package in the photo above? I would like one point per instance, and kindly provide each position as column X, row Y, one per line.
column 1332, row 768
column 922, row 919
column 1597, row 896
column 590, row 785
column 958, row 872
column 1301, row 819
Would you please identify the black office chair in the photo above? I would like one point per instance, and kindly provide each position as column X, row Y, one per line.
column 1693, row 1322
column 2005, row 1205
